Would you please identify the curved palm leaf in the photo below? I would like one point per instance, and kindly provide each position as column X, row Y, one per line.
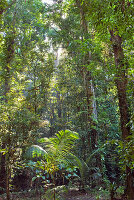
column 82, row 166
column 62, row 143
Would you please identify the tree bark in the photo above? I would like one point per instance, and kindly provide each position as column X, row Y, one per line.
column 121, row 84
column 3, row 171
column 5, row 159
column 3, row 168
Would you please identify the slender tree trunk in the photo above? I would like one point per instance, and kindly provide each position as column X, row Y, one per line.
column 87, row 77
column 7, row 181
column 89, row 92
column 5, row 163
column 51, row 117
column 3, row 174
column 7, row 88
column 3, row 168
column 58, row 104
column 5, row 159
column 93, row 135
column 121, row 84
column 59, row 110
column 35, row 92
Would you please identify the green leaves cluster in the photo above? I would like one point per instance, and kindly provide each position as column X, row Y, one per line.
column 126, row 150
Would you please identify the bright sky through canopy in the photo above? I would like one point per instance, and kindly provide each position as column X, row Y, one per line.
column 47, row 1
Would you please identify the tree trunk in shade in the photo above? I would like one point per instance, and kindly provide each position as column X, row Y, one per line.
column 5, row 159
column 121, row 84
column 92, row 134
column 88, row 84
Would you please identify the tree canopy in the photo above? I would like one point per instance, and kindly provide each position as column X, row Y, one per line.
column 66, row 94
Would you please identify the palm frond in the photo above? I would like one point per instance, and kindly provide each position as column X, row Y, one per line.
column 93, row 154
column 81, row 164
column 62, row 142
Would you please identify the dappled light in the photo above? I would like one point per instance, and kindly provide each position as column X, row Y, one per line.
column 66, row 100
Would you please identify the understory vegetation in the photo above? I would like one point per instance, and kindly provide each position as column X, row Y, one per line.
column 66, row 99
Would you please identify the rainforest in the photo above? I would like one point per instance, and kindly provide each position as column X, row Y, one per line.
column 66, row 100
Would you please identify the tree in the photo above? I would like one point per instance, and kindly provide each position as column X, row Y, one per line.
column 18, row 39
column 112, row 17
column 68, row 65
column 108, row 22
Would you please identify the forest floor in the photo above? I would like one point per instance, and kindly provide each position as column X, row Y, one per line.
column 70, row 195
column 66, row 197
column 73, row 195
column 61, row 194
column 77, row 197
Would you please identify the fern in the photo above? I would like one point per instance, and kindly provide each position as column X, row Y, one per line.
column 82, row 166
column 93, row 154
column 62, row 143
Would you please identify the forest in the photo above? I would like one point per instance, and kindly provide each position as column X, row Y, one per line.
column 66, row 100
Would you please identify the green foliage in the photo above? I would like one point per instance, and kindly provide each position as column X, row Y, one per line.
column 62, row 142
column 112, row 15
column 58, row 148
column 3, row 5
column 34, row 89
column 126, row 150
column 34, row 151
column 82, row 166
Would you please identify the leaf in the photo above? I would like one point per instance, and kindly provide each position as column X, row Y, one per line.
column 34, row 178
column 34, row 151
column 43, row 177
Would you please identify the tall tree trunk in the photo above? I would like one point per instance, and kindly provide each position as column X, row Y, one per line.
column 59, row 110
column 90, row 107
column 3, row 168
column 35, row 90
column 121, row 84
column 87, row 78
column 5, row 159
column 3, row 171
column 89, row 92
column 52, row 118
